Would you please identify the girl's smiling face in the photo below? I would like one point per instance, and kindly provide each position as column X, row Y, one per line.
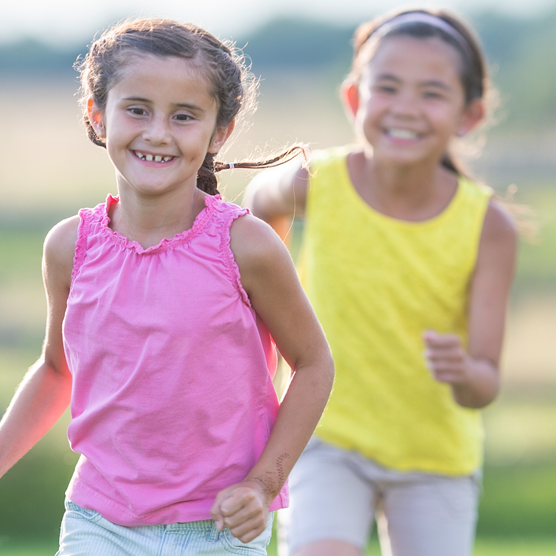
column 159, row 123
column 410, row 100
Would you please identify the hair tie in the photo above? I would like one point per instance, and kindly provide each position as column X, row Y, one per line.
column 426, row 18
column 230, row 166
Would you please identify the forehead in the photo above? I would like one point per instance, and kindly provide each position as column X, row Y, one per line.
column 142, row 72
column 415, row 59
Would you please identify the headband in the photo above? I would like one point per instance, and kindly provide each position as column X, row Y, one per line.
column 426, row 18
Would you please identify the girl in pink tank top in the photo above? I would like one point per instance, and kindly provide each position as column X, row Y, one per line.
column 164, row 304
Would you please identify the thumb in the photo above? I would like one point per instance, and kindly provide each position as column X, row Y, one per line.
column 216, row 512
column 217, row 517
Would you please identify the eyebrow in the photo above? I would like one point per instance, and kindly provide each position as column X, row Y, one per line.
column 388, row 76
column 429, row 83
column 185, row 105
column 435, row 83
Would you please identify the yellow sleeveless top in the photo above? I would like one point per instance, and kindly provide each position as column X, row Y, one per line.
column 376, row 284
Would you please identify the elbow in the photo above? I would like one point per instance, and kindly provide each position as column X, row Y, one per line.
column 57, row 370
column 477, row 398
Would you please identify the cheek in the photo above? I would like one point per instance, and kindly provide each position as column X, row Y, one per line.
column 446, row 117
column 370, row 119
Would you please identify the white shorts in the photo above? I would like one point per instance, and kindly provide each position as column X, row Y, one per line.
column 335, row 494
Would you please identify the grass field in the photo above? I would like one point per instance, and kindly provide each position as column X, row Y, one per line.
column 484, row 547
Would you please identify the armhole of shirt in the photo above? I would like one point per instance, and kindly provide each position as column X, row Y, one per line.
column 81, row 242
column 333, row 160
column 232, row 269
column 486, row 194
column 314, row 169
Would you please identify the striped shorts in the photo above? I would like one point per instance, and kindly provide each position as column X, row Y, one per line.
column 87, row 533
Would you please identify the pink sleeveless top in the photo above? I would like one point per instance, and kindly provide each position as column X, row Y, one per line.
column 172, row 395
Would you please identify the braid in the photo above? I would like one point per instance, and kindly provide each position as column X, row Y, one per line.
column 282, row 158
column 206, row 178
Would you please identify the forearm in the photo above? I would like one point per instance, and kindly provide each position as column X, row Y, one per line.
column 481, row 384
column 297, row 419
column 39, row 401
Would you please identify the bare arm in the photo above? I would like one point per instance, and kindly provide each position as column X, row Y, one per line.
column 270, row 279
column 277, row 195
column 44, row 393
column 474, row 375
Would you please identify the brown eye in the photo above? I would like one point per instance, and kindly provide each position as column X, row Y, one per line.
column 432, row 94
column 389, row 89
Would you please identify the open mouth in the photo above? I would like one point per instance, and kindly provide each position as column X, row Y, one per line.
column 404, row 134
column 160, row 158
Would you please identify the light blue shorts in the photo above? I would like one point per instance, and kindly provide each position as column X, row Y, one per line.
column 87, row 533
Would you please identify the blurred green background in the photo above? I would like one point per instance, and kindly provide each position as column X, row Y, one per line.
column 49, row 170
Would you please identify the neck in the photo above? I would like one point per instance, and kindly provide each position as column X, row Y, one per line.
column 148, row 219
column 407, row 192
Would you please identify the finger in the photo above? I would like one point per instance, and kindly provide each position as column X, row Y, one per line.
column 217, row 516
column 246, row 514
column 445, row 378
column 216, row 510
column 249, row 529
column 248, row 536
column 448, row 354
column 449, row 374
column 439, row 340
column 449, row 377
column 237, row 500
column 446, row 366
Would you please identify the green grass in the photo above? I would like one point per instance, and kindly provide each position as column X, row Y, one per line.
column 537, row 268
column 484, row 547
column 500, row 547
column 20, row 256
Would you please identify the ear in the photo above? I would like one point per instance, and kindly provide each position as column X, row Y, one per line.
column 472, row 116
column 95, row 117
column 220, row 137
column 350, row 98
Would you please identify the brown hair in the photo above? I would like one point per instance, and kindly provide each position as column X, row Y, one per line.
column 473, row 71
column 232, row 84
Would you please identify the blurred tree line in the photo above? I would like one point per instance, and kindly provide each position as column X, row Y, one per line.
column 521, row 52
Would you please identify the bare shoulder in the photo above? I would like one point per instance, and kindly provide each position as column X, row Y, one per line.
column 253, row 241
column 59, row 249
column 277, row 192
column 300, row 181
column 498, row 244
column 260, row 254
column 499, row 225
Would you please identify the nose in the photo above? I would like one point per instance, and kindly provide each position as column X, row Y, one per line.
column 405, row 106
column 157, row 130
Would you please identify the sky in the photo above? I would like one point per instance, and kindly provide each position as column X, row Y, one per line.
column 62, row 22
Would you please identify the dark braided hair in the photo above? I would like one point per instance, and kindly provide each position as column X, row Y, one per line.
column 473, row 68
column 231, row 83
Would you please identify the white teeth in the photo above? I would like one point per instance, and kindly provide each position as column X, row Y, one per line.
column 397, row 133
column 152, row 157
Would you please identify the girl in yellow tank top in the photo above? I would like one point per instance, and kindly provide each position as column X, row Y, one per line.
column 408, row 264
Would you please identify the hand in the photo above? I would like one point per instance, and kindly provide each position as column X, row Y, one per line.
column 445, row 357
column 243, row 509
